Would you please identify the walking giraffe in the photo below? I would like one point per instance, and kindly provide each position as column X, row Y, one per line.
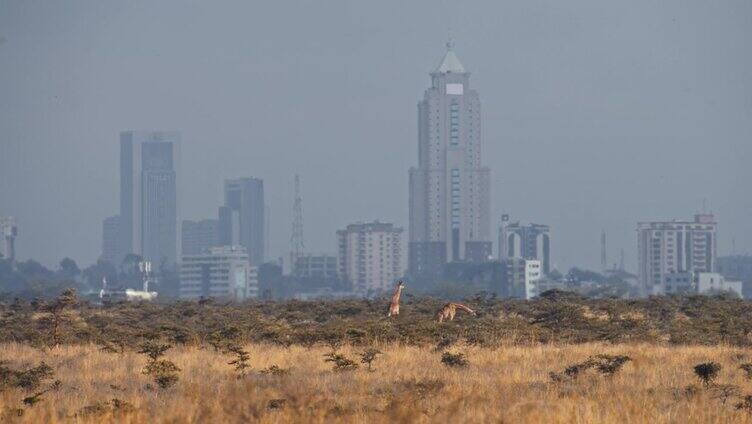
column 394, row 305
column 450, row 309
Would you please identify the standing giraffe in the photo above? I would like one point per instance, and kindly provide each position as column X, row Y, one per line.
column 394, row 305
column 450, row 309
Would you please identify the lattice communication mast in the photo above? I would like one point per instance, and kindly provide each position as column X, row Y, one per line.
column 296, row 240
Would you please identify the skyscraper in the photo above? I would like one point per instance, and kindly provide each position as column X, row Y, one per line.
column 241, row 219
column 149, row 162
column 449, row 190
column 110, row 240
column 675, row 247
column 525, row 241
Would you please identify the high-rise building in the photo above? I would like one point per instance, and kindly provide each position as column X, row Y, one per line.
column 8, row 233
column 670, row 247
column 449, row 189
column 149, row 163
column 525, row 241
column 198, row 236
column 221, row 272
column 241, row 219
column 370, row 256
column 110, row 240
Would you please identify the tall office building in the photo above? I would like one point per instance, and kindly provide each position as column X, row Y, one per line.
column 525, row 241
column 449, row 190
column 149, row 163
column 8, row 233
column 370, row 256
column 674, row 247
column 198, row 236
column 110, row 240
column 241, row 219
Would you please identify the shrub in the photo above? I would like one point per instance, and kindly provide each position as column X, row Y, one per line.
column 276, row 404
column 745, row 404
column 707, row 372
column 341, row 362
column 608, row 364
column 368, row 356
column 445, row 342
column 725, row 391
column 26, row 379
column 114, row 406
column 454, row 360
column 747, row 368
column 163, row 372
column 240, row 361
column 154, row 350
column 275, row 370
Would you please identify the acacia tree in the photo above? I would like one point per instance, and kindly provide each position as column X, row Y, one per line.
column 58, row 314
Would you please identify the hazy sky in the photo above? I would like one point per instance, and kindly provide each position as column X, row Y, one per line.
column 596, row 114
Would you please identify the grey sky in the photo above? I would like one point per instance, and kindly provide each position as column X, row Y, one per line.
column 596, row 114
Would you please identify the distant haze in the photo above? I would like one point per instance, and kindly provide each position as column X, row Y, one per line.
column 595, row 114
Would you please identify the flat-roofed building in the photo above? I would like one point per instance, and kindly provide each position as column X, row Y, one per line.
column 370, row 256
column 222, row 272
column 669, row 247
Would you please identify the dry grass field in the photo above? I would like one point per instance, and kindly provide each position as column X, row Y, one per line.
column 407, row 384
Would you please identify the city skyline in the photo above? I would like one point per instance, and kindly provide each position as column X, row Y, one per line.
column 607, row 144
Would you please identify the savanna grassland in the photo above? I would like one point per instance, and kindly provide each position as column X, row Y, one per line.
column 557, row 359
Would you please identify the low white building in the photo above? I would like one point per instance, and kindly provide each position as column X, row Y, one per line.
column 698, row 283
column 222, row 272
column 710, row 282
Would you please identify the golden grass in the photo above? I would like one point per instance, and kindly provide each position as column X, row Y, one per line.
column 408, row 384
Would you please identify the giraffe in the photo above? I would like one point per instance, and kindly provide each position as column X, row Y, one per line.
column 394, row 305
column 450, row 309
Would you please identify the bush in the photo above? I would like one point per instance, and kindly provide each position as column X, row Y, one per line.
column 341, row 362
column 454, row 360
column 275, row 370
column 368, row 356
column 707, row 372
column 747, row 368
column 163, row 372
column 241, row 359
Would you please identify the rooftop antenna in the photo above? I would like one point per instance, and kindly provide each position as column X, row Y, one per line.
column 296, row 240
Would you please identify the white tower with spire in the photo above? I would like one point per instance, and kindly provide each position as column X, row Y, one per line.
column 449, row 189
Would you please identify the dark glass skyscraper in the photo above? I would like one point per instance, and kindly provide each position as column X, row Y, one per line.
column 241, row 219
column 148, row 195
